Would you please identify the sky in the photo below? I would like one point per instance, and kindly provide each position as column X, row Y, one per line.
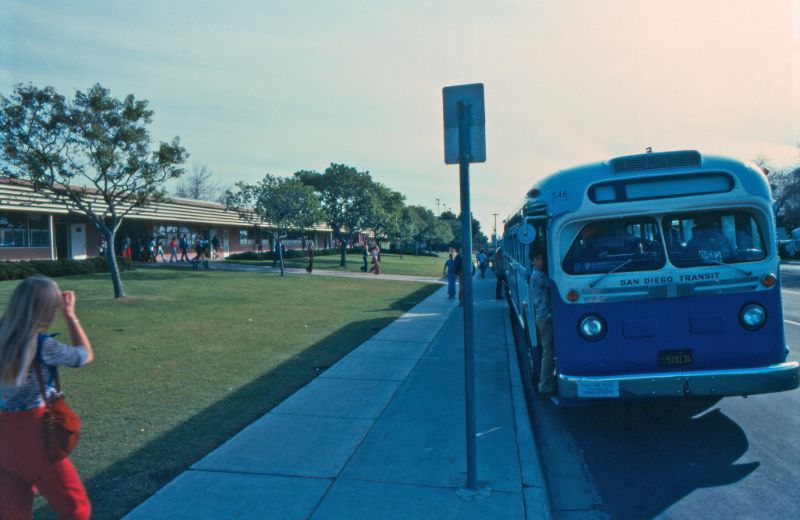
column 256, row 87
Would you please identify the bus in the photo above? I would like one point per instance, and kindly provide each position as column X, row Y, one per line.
column 663, row 274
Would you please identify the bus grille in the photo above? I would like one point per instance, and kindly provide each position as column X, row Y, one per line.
column 656, row 161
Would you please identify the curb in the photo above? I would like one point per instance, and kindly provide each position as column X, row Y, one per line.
column 529, row 444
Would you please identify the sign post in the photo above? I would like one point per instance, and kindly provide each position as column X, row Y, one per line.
column 465, row 142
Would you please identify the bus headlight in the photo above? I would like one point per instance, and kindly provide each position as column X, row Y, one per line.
column 752, row 316
column 591, row 327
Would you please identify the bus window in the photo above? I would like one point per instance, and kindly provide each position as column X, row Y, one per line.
column 621, row 245
column 695, row 239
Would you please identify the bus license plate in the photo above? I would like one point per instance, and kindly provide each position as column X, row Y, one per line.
column 598, row 389
column 671, row 358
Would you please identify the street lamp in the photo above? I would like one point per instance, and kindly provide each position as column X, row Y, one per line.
column 437, row 207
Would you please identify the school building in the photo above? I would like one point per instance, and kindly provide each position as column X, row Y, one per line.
column 35, row 228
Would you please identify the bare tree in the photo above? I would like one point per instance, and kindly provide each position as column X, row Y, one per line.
column 785, row 186
column 199, row 184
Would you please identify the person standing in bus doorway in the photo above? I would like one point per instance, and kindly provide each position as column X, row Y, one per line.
column 450, row 272
column 540, row 295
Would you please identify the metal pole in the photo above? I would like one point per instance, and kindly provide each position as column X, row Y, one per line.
column 52, row 229
column 466, row 279
column 494, row 231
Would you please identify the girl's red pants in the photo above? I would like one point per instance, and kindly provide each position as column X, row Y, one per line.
column 24, row 467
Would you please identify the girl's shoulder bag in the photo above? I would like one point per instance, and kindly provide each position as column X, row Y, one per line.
column 62, row 425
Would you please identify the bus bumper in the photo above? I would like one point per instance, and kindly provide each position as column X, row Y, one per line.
column 742, row 381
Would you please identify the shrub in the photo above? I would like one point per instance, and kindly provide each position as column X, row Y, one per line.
column 53, row 268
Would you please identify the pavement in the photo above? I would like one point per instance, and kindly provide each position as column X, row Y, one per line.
column 232, row 266
column 381, row 434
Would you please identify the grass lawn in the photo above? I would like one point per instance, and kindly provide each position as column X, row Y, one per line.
column 390, row 264
column 190, row 358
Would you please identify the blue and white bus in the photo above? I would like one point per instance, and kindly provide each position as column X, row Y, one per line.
column 664, row 278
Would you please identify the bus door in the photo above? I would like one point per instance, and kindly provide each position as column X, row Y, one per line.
column 539, row 226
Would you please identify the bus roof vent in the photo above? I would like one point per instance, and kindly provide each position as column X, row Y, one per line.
column 656, row 161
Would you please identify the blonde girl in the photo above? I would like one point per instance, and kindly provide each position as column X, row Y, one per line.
column 23, row 463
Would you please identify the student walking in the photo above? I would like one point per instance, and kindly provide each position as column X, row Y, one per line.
column 483, row 262
column 459, row 269
column 215, row 247
column 160, row 250
column 311, row 252
column 173, row 249
column 450, row 272
column 365, row 258
column 198, row 248
column 29, row 358
column 184, row 245
column 376, row 263
column 127, row 249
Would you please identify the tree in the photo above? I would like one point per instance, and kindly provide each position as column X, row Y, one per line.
column 345, row 194
column 387, row 208
column 479, row 240
column 91, row 155
column 283, row 203
column 199, row 184
column 454, row 222
column 425, row 228
column 408, row 227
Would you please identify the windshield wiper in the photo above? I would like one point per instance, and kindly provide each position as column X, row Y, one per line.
column 709, row 261
column 616, row 268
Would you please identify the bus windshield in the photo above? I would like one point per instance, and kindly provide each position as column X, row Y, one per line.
column 619, row 245
column 696, row 239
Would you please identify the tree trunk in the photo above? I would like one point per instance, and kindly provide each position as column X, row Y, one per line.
column 280, row 254
column 113, row 268
column 343, row 261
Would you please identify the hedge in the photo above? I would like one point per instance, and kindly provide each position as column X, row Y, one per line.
column 52, row 268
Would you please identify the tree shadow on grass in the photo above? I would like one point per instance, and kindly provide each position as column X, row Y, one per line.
column 126, row 483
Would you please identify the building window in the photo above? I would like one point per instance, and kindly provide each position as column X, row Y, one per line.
column 12, row 230
column 245, row 237
column 20, row 230
column 38, row 231
column 165, row 232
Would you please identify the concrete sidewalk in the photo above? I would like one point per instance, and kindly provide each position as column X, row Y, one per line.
column 380, row 435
